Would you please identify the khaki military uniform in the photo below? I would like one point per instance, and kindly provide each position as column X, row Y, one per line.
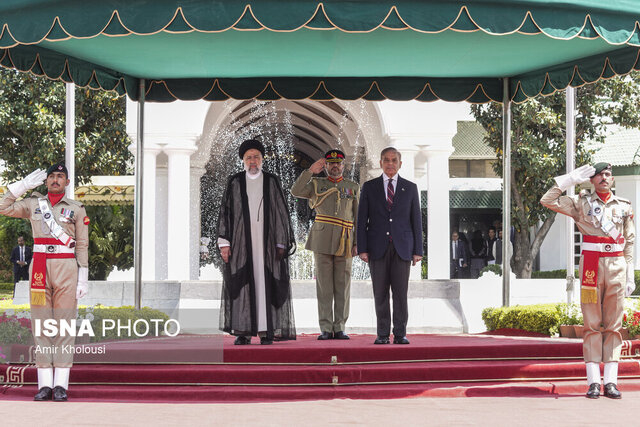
column 331, row 238
column 61, row 273
column 607, row 304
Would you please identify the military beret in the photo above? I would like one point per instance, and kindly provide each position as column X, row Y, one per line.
column 58, row 167
column 250, row 144
column 334, row 156
column 601, row 167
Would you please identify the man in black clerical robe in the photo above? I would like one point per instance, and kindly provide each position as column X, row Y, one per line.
column 254, row 209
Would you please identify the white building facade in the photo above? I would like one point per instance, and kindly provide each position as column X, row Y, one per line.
column 180, row 138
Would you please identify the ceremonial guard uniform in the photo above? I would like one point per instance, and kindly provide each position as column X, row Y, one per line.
column 332, row 239
column 58, row 273
column 606, row 267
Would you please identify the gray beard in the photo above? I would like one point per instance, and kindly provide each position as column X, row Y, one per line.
column 255, row 172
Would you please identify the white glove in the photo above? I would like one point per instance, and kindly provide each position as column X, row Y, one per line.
column 29, row 182
column 578, row 176
column 83, row 282
column 631, row 283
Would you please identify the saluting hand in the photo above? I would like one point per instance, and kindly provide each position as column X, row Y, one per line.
column 317, row 166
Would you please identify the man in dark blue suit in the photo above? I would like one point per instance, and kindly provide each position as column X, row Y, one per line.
column 389, row 237
column 459, row 256
column 20, row 258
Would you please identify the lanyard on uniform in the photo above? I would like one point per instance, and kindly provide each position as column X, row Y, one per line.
column 55, row 228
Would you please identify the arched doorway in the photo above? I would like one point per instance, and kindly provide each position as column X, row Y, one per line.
column 295, row 134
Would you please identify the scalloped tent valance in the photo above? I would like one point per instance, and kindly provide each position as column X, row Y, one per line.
column 402, row 50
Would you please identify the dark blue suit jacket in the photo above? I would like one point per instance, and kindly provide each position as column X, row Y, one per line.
column 15, row 257
column 376, row 223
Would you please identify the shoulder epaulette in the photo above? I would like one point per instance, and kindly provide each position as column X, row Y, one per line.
column 75, row 202
column 622, row 199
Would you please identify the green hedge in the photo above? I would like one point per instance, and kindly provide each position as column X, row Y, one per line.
column 122, row 314
column 6, row 286
column 562, row 274
column 542, row 318
column 494, row 268
column 11, row 332
column 551, row 274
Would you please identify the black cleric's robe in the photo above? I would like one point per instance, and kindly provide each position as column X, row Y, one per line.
column 238, row 313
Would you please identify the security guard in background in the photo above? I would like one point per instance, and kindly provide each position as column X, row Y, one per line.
column 332, row 238
column 59, row 269
column 606, row 267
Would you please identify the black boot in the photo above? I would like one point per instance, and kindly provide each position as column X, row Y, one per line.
column 242, row 340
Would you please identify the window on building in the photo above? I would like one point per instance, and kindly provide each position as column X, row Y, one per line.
column 471, row 169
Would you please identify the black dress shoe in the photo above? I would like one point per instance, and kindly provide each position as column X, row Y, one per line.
column 381, row 340
column 266, row 341
column 43, row 394
column 325, row 336
column 400, row 340
column 611, row 391
column 340, row 336
column 59, row 394
column 242, row 340
column 594, row 391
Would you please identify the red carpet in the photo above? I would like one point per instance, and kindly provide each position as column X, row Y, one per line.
column 432, row 365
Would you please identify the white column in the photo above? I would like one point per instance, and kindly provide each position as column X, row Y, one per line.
column 408, row 171
column 149, row 213
column 438, row 211
column 178, row 212
column 628, row 186
column 149, row 247
column 196, row 229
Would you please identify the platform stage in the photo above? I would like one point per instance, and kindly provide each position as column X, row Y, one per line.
column 308, row 369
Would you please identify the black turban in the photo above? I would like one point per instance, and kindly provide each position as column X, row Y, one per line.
column 248, row 145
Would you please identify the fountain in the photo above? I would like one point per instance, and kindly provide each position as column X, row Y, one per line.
column 273, row 126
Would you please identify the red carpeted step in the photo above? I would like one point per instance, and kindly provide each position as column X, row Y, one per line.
column 502, row 370
column 442, row 365
column 360, row 348
column 211, row 394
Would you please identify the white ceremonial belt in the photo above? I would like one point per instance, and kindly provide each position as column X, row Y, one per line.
column 53, row 249
column 602, row 247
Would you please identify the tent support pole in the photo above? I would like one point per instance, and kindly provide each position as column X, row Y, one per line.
column 570, row 164
column 70, row 135
column 506, row 192
column 137, row 241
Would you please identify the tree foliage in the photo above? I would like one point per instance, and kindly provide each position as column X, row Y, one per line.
column 32, row 135
column 109, row 245
column 32, row 128
column 538, row 135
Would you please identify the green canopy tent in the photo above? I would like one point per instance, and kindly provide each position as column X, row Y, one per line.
column 474, row 51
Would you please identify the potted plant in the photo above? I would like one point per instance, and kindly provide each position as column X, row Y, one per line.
column 630, row 324
column 571, row 322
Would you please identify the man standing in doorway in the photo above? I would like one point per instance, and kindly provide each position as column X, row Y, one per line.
column 20, row 258
column 59, row 272
column 491, row 254
column 458, row 255
column 390, row 239
column 331, row 239
column 606, row 267
column 255, row 238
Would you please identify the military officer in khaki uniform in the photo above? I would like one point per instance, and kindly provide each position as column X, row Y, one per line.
column 59, row 270
column 332, row 238
column 606, row 266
